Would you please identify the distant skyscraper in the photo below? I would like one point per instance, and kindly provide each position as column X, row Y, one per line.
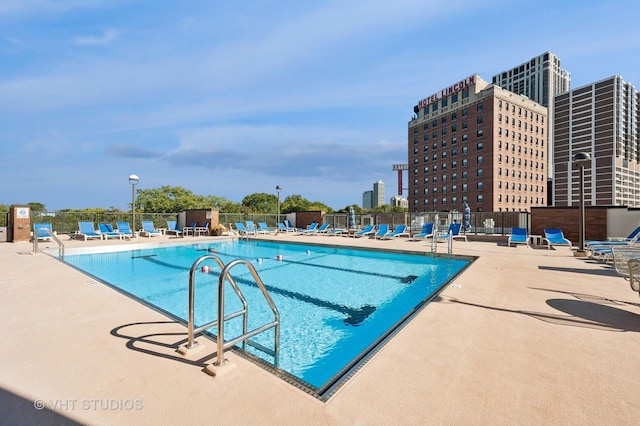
column 539, row 79
column 601, row 119
column 378, row 194
column 367, row 199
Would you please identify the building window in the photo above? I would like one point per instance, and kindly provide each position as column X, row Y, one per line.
column 454, row 164
column 454, row 176
column 465, row 137
column 479, row 172
column 464, row 162
column 464, row 150
column 454, row 188
column 480, row 186
column 454, row 98
column 465, row 112
column 479, row 107
column 444, row 102
column 479, row 198
column 480, row 133
column 444, row 131
column 464, row 175
column 426, row 137
column 479, row 159
column 464, row 187
column 454, row 115
column 454, row 152
column 479, row 146
column 465, row 93
column 464, row 125
column 454, row 128
column 479, row 119
column 454, row 141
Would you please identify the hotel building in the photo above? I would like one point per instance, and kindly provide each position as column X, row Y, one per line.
column 475, row 142
column 540, row 79
column 601, row 119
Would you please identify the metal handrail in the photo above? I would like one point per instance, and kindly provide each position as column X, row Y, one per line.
column 219, row 322
column 246, row 334
column 54, row 236
column 191, row 330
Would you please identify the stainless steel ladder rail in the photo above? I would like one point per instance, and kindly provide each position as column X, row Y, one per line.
column 244, row 337
column 55, row 238
column 191, row 329
column 219, row 322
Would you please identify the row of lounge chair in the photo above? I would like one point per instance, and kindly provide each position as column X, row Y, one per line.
column 88, row 231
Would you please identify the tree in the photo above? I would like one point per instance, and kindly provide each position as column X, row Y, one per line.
column 260, row 203
column 168, row 199
column 37, row 207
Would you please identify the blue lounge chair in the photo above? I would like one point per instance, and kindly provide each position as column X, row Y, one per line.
column 107, row 231
column 242, row 230
column 555, row 237
column 453, row 231
column 173, row 229
column 199, row 230
column 382, row 232
column 367, row 230
column 251, row 227
column 283, row 228
column 87, row 230
column 633, row 236
column 518, row 236
column 262, row 226
column 124, row 229
column 315, row 229
column 288, row 224
column 191, row 229
column 310, row 229
column 148, row 230
column 426, row 232
column 42, row 231
column 399, row 231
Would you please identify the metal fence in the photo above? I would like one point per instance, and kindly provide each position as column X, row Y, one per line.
column 493, row 223
column 67, row 222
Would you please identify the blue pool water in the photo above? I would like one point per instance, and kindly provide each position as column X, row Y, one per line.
column 335, row 304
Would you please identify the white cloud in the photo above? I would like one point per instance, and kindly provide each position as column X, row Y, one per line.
column 108, row 35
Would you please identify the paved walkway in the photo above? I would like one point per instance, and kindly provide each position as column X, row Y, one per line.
column 523, row 336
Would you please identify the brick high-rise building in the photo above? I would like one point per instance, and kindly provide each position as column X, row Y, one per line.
column 475, row 142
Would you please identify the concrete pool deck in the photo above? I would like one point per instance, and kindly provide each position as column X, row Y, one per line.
column 523, row 336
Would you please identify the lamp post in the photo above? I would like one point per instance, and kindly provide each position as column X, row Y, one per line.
column 133, row 180
column 278, row 188
column 581, row 158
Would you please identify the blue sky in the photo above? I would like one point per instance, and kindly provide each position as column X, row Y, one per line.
column 232, row 98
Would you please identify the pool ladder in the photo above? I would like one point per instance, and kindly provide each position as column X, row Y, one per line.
column 225, row 275
column 434, row 243
column 55, row 238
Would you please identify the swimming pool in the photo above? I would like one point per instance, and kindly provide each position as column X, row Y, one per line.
column 336, row 304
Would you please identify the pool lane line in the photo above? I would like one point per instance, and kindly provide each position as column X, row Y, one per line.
column 354, row 316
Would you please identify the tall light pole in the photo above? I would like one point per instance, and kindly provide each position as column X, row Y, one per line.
column 581, row 158
column 133, row 180
column 278, row 188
